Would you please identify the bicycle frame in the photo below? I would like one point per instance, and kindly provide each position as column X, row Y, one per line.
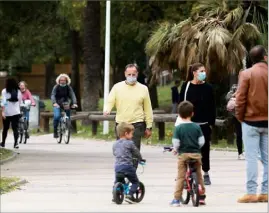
column 126, row 184
column 188, row 177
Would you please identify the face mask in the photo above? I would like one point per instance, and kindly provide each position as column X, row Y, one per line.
column 201, row 76
column 131, row 80
column 62, row 85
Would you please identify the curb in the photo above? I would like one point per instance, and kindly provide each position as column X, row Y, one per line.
column 18, row 183
column 9, row 159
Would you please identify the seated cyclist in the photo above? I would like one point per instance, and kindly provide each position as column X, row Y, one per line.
column 26, row 96
column 187, row 141
column 62, row 93
column 125, row 151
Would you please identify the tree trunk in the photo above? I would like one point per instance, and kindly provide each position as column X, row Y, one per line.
column 75, row 76
column 92, row 56
column 153, row 93
column 154, row 96
column 50, row 77
column 75, row 66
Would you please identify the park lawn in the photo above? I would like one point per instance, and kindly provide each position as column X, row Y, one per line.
column 164, row 97
column 5, row 153
column 5, row 183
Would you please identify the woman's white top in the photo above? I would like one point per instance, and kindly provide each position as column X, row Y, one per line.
column 11, row 108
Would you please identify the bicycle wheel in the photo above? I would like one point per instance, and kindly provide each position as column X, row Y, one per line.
column 118, row 193
column 195, row 197
column 67, row 131
column 186, row 196
column 140, row 193
column 60, row 134
column 21, row 132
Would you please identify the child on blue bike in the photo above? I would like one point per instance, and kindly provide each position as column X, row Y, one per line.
column 187, row 141
column 125, row 151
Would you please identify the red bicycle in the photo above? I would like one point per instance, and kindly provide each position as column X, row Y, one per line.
column 192, row 189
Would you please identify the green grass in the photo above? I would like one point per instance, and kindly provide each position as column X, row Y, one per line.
column 164, row 98
column 5, row 183
column 5, row 153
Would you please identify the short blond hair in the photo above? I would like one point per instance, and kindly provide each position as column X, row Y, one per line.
column 23, row 82
column 123, row 128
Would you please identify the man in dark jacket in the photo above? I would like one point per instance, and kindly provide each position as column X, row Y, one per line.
column 175, row 96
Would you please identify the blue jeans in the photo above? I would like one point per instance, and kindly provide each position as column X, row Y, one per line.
column 130, row 173
column 255, row 140
column 57, row 116
column 27, row 115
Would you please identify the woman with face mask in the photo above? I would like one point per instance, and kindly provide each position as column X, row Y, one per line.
column 62, row 93
column 201, row 95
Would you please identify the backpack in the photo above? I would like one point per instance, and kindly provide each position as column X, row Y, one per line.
column 13, row 96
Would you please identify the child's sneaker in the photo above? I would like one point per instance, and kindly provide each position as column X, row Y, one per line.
column 175, row 203
column 202, row 199
column 129, row 199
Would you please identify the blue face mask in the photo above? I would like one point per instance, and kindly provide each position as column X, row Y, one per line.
column 62, row 85
column 201, row 76
column 131, row 80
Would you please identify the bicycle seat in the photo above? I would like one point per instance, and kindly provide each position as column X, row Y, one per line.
column 120, row 176
column 191, row 161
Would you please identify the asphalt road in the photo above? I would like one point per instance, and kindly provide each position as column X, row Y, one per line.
column 79, row 177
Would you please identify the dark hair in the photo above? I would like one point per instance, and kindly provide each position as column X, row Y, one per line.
column 193, row 68
column 11, row 85
column 185, row 109
column 257, row 54
column 132, row 65
column 177, row 82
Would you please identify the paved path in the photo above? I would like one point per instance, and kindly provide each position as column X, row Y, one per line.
column 78, row 178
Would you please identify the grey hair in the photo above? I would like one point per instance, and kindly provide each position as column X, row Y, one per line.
column 65, row 76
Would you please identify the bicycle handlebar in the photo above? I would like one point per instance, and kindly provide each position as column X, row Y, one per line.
column 142, row 162
column 167, row 149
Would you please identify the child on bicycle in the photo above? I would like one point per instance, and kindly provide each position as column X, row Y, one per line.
column 187, row 142
column 125, row 151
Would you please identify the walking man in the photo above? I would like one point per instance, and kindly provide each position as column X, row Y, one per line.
column 252, row 112
column 132, row 103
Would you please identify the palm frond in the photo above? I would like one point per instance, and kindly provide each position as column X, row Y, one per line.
column 158, row 39
column 234, row 17
column 237, row 52
column 247, row 32
column 217, row 39
column 177, row 29
column 209, row 7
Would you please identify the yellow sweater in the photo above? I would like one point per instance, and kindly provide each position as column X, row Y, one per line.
column 132, row 103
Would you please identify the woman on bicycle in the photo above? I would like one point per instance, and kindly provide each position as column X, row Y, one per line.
column 11, row 99
column 62, row 93
column 26, row 95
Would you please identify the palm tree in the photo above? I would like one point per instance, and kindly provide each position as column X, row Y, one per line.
column 217, row 34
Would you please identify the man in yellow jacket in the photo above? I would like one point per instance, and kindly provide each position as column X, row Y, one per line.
column 132, row 103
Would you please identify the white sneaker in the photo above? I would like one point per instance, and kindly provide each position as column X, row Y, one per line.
column 241, row 157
